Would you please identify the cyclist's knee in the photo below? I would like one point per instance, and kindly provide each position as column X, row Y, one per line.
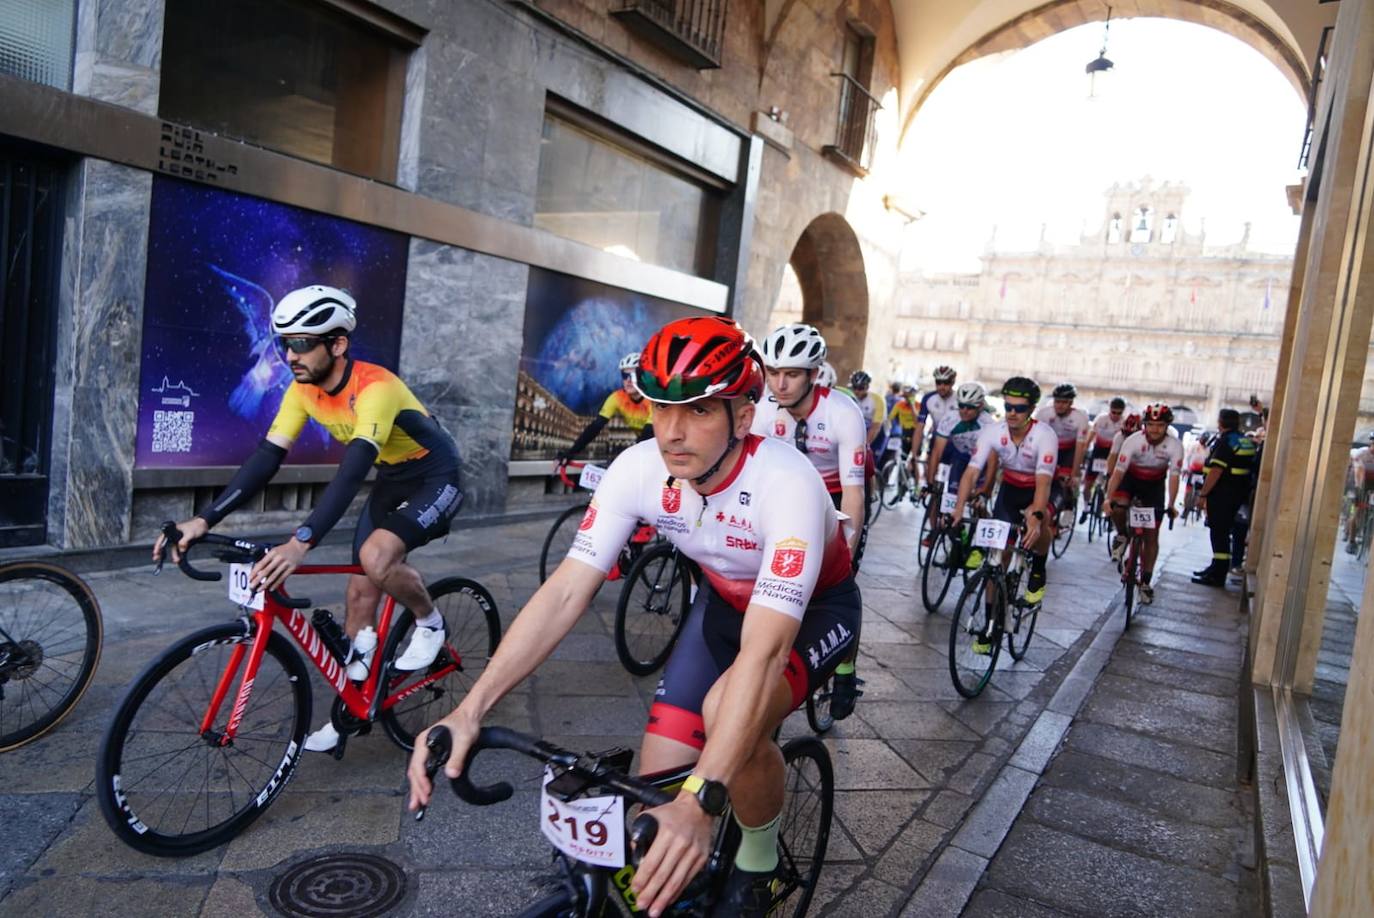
column 381, row 554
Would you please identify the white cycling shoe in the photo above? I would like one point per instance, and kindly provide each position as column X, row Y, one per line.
column 1118, row 548
column 323, row 739
column 424, row 646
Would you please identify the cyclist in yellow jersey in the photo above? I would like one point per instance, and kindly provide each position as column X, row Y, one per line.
column 413, row 501
column 627, row 402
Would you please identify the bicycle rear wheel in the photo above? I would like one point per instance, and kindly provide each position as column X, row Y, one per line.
column 560, row 539
column 472, row 629
column 1022, row 623
column 818, row 708
column 977, row 621
column 1128, row 578
column 167, row 789
column 50, row 640
column 894, row 484
column 1062, row 537
column 804, row 831
column 943, row 563
column 929, row 530
column 652, row 609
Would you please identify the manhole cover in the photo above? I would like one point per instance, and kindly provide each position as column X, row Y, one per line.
column 339, row 886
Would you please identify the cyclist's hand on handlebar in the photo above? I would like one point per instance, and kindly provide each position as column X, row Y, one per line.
column 678, row 853
column 279, row 563
column 463, row 729
column 191, row 529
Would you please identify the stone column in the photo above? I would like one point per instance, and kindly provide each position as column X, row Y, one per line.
column 1326, row 370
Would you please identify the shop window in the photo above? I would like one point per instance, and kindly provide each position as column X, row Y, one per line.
column 302, row 77
column 36, row 40
column 603, row 190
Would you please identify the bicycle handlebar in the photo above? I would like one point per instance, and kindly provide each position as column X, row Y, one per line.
column 563, row 472
column 246, row 551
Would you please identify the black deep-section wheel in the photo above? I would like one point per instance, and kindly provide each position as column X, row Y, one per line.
column 167, row 789
column 472, row 629
column 50, row 640
column 560, row 539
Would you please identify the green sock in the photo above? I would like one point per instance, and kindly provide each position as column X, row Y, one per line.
column 845, row 669
column 758, row 847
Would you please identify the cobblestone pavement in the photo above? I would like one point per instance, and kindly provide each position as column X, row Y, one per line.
column 910, row 765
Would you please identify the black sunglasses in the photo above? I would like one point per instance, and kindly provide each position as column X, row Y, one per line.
column 302, row 344
column 1018, row 409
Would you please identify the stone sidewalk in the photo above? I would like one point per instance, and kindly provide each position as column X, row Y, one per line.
column 911, row 766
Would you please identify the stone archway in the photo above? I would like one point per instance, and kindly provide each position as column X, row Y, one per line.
column 829, row 267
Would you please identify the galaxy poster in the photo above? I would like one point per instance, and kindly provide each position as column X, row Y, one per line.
column 576, row 332
column 212, row 374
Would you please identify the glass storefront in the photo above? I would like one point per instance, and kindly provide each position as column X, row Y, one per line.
column 36, row 40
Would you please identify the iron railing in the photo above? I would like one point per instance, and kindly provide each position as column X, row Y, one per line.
column 855, row 128
column 1313, row 94
column 691, row 30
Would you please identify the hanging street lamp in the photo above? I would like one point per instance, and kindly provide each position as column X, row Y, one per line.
column 1101, row 66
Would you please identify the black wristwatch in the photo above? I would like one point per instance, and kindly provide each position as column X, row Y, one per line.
column 712, row 795
column 305, row 534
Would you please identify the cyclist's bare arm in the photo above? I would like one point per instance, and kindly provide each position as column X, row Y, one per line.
column 852, row 505
column 247, row 481
column 969, row 480
column 937, row 450
column 738, row 725
column 1079, row 451
column 1359, row 475
column 544, row 621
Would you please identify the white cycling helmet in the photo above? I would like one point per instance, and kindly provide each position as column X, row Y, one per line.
column 315, row 310
column 972, row 394
column 827, row 375
column 630, row 362
column 798, row 346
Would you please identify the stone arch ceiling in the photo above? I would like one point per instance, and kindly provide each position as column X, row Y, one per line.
column 935, row 36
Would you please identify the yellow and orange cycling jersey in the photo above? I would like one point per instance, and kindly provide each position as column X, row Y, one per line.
column 371, row 404
column 904, row 413
column 637, row 415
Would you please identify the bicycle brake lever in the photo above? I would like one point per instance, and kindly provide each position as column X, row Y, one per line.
column 439, row 742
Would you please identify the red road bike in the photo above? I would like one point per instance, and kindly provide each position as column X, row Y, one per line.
column 211, row 732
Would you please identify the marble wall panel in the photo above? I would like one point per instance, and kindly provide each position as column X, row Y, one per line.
column 119, row 52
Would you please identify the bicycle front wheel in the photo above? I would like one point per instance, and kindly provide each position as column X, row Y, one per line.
column 893, row 483
column 804, row 831
column 942, row 564
column 472, row 629
column 928, row 531
column 652, row 609
column 168, row 789
column 1062, row 537
column 1023, row 618
column 50, row 640
column 975, row 634
column 560, row 539
column 818, row 707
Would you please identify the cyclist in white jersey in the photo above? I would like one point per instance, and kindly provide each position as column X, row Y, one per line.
column 1100, row 435
column 934, row 406
column 1129, row 425
column 829, row 429
column 1024, row 450
column 1070, row 426
column 1148, row 457
column 776, row 610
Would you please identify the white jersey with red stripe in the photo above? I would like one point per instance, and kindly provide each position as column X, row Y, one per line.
column 1364, row 456
column 1068, row 428
column 1105, row 428
column 1020, row 462
column 769, row 535
column 1146, row 461
column 836, row 436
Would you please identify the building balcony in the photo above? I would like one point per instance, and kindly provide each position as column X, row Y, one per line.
column 692, row 31
column 855, row 129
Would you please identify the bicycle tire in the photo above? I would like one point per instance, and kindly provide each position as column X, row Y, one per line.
column 940, row 568
column 894, row 483
column 119, row 792
column 33, row 596
column 1061, row 541
column 971, row 671
column 562, row 905
column 472, row 630
column 1022, row 618
column 818, row 708
column 559, row 539
column 928, row 530
column 1128, row 579
column 804, row 830
column 660, row 614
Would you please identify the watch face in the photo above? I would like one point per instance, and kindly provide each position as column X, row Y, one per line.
column 714, row 797
column 304, row 534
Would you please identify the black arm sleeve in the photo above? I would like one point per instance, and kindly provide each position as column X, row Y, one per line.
column 358, row 458
column 587, row 436
column 251, row 478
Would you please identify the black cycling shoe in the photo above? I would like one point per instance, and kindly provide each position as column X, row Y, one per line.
column 844, row 691
column 746, row 895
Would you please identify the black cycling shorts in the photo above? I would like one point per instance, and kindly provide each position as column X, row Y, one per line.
column 416, row 511
column 1011, row 503
column 709, row 643
column 1150, row 493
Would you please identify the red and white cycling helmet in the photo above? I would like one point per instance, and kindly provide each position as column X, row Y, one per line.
column 1158, row 411
column 699, row 357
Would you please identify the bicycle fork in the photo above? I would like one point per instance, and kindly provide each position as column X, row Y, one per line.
column 261, row 624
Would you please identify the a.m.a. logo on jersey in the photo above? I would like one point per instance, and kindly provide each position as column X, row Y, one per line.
column 789, row 557
column 672, row 498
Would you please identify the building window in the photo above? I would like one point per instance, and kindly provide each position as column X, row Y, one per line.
column 1169, row 230
column 1114, row 229
column 623, row 199
column 36, row 40
column 1141, row 223
column 300, row 77
column 857, row 116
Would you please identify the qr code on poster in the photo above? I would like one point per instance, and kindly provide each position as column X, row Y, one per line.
column 172, row 431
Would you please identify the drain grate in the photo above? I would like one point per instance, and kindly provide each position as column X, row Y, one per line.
column 339, row 886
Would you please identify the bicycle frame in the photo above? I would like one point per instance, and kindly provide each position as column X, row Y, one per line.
column 363, row 703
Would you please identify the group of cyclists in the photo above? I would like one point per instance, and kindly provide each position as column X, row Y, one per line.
column 758, row 469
